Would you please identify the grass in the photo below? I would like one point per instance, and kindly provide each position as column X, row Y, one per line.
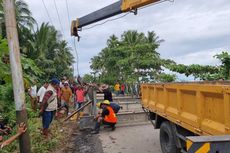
column 38, row 143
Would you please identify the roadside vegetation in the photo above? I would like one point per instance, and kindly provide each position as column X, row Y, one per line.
column 43, row 55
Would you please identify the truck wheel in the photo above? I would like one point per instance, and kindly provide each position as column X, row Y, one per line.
column 167, row 140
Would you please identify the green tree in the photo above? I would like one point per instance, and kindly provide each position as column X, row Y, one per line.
column 203, row 72
column 23, row 17
column 89, row 78
column 43, row 55
column 163, row 77
column 224, row 57
column 5, row 75
column 133, row 58
column 50, row 53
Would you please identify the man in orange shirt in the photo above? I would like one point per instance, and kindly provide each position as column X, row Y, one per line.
column 66, row 94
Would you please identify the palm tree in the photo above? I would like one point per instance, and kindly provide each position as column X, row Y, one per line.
column 50, row 53
column 23, row 17
column 41, row 47
column 132, row 37
column 112, row 41
column 63, row 60
column 152, row 38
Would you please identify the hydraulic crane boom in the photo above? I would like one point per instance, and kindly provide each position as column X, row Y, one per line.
column 108, row 11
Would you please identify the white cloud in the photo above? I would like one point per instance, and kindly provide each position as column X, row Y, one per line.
column 202, row 57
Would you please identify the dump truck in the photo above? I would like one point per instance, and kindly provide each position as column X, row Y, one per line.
column 192, row 117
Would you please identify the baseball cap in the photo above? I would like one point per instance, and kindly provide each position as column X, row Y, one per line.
column 55, row 81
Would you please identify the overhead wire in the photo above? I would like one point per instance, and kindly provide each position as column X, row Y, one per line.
column 62, row 30
column 74, row 41
column 47, row 12
column 68, row 14
column 109, row 20
column 59, row 19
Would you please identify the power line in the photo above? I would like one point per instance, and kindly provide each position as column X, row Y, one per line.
column 67, row 8
column 74, row 41
column 104, row 23
column 68, row 14
column 47, row 12
column 55, row 5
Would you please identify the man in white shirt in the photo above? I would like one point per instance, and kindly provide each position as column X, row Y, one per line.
column 42, row 91
column 49, row 105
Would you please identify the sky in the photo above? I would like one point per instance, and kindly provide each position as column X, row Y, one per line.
column 193, row 30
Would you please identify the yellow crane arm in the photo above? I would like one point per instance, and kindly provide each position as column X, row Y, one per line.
column 128, row 5
column 108, row 11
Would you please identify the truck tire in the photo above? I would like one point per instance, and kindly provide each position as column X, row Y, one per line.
column 167, row 141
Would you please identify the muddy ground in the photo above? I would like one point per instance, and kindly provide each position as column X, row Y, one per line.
column 79, row 141
column 85, row 142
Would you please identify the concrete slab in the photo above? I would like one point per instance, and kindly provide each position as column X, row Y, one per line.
column 134, row 139
column 130, row 106
column 132, row 117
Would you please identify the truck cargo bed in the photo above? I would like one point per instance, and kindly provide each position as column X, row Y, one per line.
column 200, row 107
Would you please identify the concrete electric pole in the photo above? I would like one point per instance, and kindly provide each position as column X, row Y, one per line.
column 16, row 69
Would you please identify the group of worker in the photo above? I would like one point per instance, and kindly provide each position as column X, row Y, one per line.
column 59, row 96
column 56, row 95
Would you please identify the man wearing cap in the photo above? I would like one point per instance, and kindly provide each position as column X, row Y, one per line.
column 107, row 117
column 49, row 105
column 66, row 94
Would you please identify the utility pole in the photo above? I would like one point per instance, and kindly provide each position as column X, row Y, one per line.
column 16, row 69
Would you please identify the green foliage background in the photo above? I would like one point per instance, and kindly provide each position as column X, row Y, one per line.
column 133, row 58
column 43, row 55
